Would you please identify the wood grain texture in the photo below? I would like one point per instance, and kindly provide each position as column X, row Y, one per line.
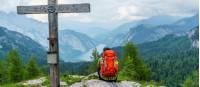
column 73, row 8
column 38, row 9
column 63, row 8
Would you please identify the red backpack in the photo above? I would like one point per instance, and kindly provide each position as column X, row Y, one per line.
column 109, row 67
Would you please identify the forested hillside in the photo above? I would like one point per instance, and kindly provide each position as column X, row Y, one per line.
column 173, row 68
column 171, row 62
column 171, row 59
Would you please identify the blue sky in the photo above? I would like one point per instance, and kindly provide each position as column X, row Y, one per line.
column 112, row 13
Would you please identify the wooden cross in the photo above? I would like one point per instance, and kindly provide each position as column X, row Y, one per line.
column 52, row 9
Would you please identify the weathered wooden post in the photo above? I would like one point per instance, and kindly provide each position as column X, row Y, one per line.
column 52, row 9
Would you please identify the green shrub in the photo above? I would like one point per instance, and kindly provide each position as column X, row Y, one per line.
column 71, row 79
column 13, row 85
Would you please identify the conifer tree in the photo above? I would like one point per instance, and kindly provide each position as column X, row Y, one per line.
column 2, row 72
column 95, row 57
column 134, row 67
column 14, row 66
column 32, row 68
column 192, row 80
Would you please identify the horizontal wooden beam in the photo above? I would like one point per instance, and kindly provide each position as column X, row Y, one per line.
column 73, row 8
column 38, row 9
column 63, row 8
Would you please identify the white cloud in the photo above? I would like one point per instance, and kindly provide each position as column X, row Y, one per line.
column 86, row 20
column 126, row 11
column 39, row 17
column 8, row 6
column 129, row 13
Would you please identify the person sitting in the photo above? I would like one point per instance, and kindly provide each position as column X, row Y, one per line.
column 108, row 65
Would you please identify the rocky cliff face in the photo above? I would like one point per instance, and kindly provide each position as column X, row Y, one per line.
column 194, row 37
column 73, row 44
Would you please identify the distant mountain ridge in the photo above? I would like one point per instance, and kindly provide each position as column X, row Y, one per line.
column 36, row 30
column 148, row 32
column 26, row 46
column 116, row 36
